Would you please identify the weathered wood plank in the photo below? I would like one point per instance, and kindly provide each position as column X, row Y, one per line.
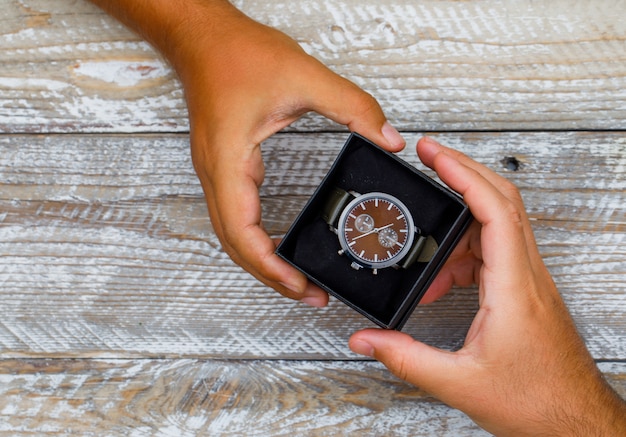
column 106, row 249
column 194, row 397
column 472, row 65
column 183, row 397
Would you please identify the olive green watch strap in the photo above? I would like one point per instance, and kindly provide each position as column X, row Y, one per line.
column 336, row 202
column 423, row 250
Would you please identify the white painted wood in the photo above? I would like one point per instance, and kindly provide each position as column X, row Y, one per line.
column 434, row 65
column 213, row 398
column 106, row 249
column 108, row 262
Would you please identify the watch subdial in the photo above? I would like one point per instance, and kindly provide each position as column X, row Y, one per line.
column 364, row 223
column 388, row 237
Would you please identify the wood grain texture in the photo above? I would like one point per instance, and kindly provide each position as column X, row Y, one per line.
column 434, row 65
column 121, row 315
column 106, row 249
column 213, row 398
column 185, row 397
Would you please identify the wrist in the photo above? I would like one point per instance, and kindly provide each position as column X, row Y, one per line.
column 602, row 413
column 196, row 32
column 595, row 409
column 174, row 27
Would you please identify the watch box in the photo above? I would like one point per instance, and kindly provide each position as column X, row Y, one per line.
column 387, row 296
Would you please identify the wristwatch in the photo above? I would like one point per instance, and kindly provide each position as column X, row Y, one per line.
column 376, row 230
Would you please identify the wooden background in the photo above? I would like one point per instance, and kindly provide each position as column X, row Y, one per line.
column 121, row 315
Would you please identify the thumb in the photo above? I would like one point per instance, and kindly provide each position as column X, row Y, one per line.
column 344, row 102
column 413, row 361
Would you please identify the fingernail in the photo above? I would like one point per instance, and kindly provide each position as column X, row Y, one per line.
column 431, row 141
column 313, row 301
column 392, row 135
column 362, row 348
column 291, row 287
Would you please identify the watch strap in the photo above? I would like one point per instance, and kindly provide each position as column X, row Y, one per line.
column 423, row 250
column 334, row 205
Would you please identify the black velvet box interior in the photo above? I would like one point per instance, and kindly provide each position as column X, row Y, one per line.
column 389, row 297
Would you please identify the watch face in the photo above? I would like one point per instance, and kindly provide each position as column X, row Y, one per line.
column 376, row 230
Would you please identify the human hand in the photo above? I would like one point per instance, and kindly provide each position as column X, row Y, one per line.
column 244, row 81
column 523, row 369
column 268, row 84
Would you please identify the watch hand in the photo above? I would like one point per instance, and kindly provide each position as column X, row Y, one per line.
column 372, row 231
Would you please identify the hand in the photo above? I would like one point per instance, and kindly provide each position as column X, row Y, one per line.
column 244, row 81
column 268, row 85
column 523, row 369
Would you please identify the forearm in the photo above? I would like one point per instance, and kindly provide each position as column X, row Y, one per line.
column 605, row 414
column 171, row 24
column 591, row 408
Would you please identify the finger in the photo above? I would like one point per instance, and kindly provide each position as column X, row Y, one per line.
column 342, row 101
column 440, row 286
column 428, row 149
column 234, row 205
column 503, row 241
column 461, row 271
column 424, row 366
column 462, row 268
column 249, row 246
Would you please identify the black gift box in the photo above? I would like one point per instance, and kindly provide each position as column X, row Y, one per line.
column 388, row 297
